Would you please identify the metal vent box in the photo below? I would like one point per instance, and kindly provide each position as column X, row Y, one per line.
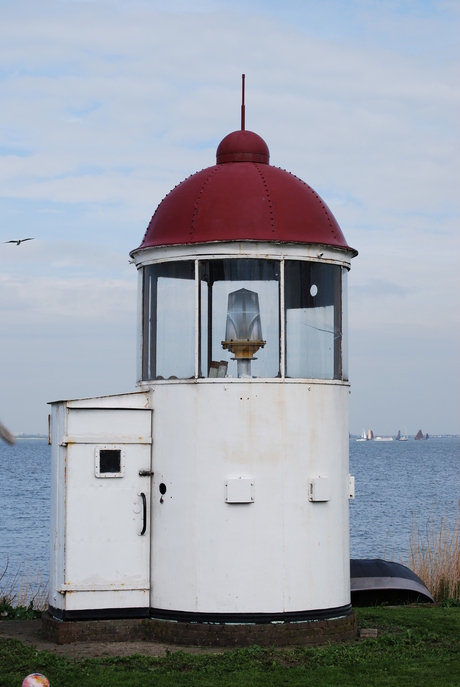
column 320, row 489
column 351, row 487
column 239, row 490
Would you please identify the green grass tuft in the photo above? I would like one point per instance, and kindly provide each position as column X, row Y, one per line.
column 9, row 612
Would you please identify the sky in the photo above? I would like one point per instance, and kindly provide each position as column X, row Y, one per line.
column 106, row 106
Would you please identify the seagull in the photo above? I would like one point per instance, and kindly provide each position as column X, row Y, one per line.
column 19, row 241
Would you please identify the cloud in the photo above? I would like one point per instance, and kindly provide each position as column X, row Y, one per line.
column 106, row 106
column 371, row 122
column 71, row 300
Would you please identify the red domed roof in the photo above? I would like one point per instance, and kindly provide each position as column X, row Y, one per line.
column 243, row 198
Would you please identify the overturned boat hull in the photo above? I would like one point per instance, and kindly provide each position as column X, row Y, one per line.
column 375, row 581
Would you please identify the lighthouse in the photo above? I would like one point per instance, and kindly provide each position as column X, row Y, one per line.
column 215, row 495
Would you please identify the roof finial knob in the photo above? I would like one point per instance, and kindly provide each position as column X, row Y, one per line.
column 242, row 103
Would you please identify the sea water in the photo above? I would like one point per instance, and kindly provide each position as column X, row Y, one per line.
column 398, row 485
column 25, row 470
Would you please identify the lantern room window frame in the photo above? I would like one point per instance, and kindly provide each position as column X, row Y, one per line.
column 221, row 279
column 340, row 374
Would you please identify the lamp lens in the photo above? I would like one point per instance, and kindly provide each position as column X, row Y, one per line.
column 243, row 316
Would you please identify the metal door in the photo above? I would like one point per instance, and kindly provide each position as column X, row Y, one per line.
column 107, row 528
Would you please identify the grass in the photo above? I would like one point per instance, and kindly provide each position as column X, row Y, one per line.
column 9, row 612
column 416, row 647
column 22, row 594
column 435, row 557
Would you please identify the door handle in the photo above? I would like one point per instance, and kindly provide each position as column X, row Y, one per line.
column 145, row 473
column 144, row 513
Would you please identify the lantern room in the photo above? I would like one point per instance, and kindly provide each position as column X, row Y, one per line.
column 230, row 481
column 235, row 250
column 243, row 317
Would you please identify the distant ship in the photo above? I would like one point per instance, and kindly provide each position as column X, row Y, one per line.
column 402, row 438
column 419, row 435
column 370, row 434
column 383, row 438
column 363, row 436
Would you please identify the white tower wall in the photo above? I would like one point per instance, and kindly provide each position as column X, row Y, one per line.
column 279, row 553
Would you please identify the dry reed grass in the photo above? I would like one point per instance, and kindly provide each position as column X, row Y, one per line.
column 435, row 557
column 20, row 587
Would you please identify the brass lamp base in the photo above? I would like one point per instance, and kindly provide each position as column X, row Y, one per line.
column 243, row 349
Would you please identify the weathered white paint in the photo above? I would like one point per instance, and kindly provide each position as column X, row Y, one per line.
column 244, row 249
column 98, row 559
column 280, row 553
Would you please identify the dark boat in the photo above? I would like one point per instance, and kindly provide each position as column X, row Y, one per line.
column 375, row 581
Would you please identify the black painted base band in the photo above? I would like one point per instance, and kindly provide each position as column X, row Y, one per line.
column 205, row 618
column 251, row 618
column 99, row 613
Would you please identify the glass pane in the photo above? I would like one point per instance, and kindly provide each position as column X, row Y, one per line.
column 169, row 321
column 240, row 318
column 109, row 461
column 313, row 320
column 344, row 323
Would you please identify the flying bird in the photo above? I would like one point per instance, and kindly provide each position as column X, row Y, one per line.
column 19, row 241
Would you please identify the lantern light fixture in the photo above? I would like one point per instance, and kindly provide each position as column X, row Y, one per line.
column 243, row 332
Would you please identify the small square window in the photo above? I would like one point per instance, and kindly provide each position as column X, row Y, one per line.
column 109, row 461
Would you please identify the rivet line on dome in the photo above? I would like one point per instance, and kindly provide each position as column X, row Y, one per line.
column 270, row 204
column 158, row 206
column 326, row 211
column 197, row 202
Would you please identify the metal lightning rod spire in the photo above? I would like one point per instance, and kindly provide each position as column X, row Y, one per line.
column 242, row 104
